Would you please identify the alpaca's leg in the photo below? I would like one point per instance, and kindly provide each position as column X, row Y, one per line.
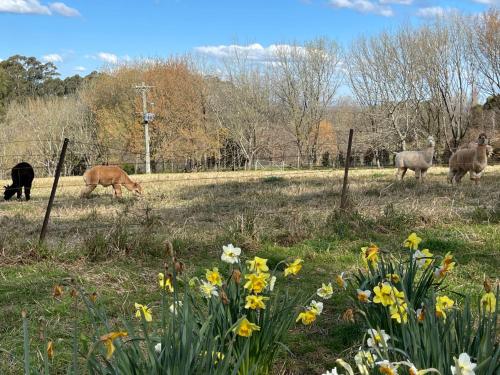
column 87, row 190
column 475, row 176
column 27, row 191
column 458, row 176
column 401, row 173
column 423, row 174
column 118, row 190
column 418, row 174
column 451, row 176
column 19, row 192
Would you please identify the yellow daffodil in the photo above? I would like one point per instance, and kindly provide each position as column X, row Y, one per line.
column 255, row 302
column 399, row 312
column 258, row 265
column 50, row 350
column 58, row 291
column 208, row 290
column 363, row 295
column 448, row 259
column 213, row 277
column 386, row 294
column 146, row 311
column 307, row 317
column 216, row 356
column 423, row 258
column 165, row 283
column 107, row 340
column 364, row 360
column 246, row 328
column 489, row 302
column 326, row 291
column 393, row 277
column 412, row 241
column 294, row 268
column 257, row 282
column 369, row 255
column 443, row 304
column 193, row 281
column 341, row 281
column 446, row 266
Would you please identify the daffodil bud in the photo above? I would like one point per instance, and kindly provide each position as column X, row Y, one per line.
column 236, row 276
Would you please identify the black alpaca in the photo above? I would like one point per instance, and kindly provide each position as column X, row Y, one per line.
column 22, row 176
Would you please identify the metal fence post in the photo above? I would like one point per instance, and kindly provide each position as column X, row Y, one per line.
column 343, row 198
column 54, row 188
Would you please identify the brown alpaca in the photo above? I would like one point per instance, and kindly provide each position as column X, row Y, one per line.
column 107, row 175
column 473, row 160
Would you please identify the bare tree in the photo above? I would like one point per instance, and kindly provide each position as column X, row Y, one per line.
column 484, row 47
column 38, row 128
column 240, row 100
column 306, row 80
column 450, row 74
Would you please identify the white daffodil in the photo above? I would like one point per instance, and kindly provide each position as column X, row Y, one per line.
column 230, row 254
column 332, row 372
column 387, row 368
column 174, row 307
column 364, row 295
column 464, row 364
column 326, row 291
column 316, row 306
column 208, row 290
column 271, row 283
column 377, row 338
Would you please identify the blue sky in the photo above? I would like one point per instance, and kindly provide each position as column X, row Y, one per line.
column 83, row 35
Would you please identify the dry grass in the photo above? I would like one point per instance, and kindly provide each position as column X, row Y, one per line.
column 115, row 246
column 206, row 205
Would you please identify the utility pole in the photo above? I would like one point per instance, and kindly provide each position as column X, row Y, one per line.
column 146, row 118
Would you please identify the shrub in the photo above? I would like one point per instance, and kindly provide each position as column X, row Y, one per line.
column 413, row 325
column 232, row 323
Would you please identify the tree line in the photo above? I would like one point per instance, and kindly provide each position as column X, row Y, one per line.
column 394, row 88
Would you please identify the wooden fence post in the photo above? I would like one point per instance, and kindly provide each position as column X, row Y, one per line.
column 54, row 188
column 343, row 198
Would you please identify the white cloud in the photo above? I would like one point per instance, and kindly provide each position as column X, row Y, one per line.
column 107, row 57
column 433, row 12
column 488, row 2
column 23, row 7
column 35, row 7
column 254, row 52
column 80, row 68
column 401, row 2
column 52, row 57
column 363, row 6
column 64, row 10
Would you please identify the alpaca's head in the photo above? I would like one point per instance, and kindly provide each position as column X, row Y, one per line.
column 137, row 188
column 9, row 192
column 482, row 139
column 430, row 141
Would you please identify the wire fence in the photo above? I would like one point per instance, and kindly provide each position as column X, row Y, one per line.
column 286, row 166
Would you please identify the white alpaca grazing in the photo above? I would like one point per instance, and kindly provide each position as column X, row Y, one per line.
column 418, row 161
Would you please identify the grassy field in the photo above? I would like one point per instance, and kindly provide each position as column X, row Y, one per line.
column 115, row 247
